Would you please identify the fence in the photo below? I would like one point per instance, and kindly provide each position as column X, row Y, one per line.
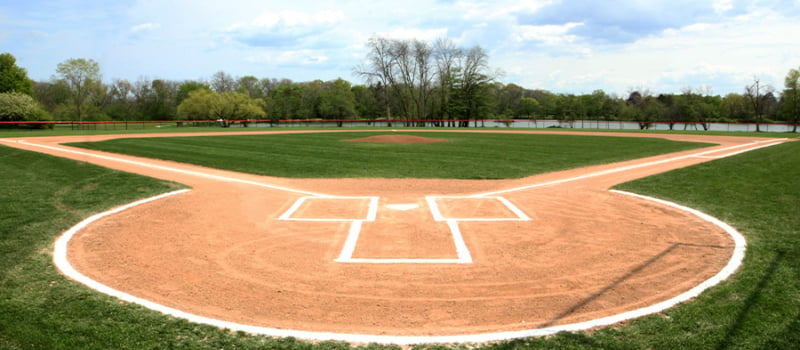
column 402, row 123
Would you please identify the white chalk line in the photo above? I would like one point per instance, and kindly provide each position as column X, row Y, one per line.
column 348, row 249
column 61, row 262
column 372, row 209
column 176, row 170
column 768, row 143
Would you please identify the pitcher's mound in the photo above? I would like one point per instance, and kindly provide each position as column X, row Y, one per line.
column 401, row 139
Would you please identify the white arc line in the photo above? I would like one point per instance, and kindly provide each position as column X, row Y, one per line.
column 60, row 259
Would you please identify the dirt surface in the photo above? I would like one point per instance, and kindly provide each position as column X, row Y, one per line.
column 398, row 139
column 240, row 247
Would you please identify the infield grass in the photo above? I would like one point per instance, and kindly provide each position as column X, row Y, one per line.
column 326, row 155
column 758, row 308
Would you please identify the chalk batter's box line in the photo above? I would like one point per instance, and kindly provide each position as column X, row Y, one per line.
column 372, row 211
column 437, row 214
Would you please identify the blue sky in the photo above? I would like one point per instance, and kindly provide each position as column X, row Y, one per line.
column 568, row 46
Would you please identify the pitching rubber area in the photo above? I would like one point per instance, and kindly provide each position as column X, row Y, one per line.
column 402, row 261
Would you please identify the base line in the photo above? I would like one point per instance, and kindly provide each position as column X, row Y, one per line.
column 635, row 166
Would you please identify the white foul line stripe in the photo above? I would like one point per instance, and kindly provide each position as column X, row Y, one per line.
column 631, row 167
column 176, row 170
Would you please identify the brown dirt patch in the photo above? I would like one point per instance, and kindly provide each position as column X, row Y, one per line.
column 220, row 251
column 398, row 139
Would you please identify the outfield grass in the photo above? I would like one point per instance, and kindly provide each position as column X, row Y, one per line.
column 325, row 155
column 758, row 308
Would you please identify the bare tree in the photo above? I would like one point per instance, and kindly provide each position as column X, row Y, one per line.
column 379, row 68
column 423, row 54
column 475, row 75
column 223, row 82
column 756, row 94
column 412, row 59
column 407, row 69
column 446, row 54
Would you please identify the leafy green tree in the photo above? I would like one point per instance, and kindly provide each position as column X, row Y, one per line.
column 238, row 106
column 186, row 88
column 366, row 102
column 735, row 107
column 51, row 94
column 159, row 103
column 12, row 77
column 81, row 76
column 16, row 106
column 199, row 105
column 336, row 100
column 791, row 97
column 223, row 107
column 528, row 106
column 251, row 86
column 284, row 101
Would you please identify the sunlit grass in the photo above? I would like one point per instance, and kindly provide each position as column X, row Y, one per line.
column 325, row 155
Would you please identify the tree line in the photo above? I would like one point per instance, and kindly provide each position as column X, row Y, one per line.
column 413, row 82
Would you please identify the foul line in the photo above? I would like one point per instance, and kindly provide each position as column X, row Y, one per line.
column 62, row 263
column 176, row 170
column 637, row 166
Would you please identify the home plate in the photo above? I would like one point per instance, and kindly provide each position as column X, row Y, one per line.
column 403, row 207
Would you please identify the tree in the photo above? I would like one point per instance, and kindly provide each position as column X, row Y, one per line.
column 379, row 69
column 223, row 107
column 223, row 82
column 735, row 107
column 757, row 94
column 446, row 54
column 791, row 96
column 81, row 77
column 12, row 77
column 233, row 105
column 251, row 86
column 198, row 105
column 366, row 102
column 336, row 100
column 186, row 88
column 528, row 106
column 642, row 108
column 16, row 106
column 474, row 78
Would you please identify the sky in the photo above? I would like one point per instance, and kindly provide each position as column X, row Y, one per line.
column 566, row 46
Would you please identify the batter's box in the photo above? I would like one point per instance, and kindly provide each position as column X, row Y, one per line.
column 332, row 209
column 489, row 208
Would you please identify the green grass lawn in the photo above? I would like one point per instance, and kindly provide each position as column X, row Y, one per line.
column 326, row 155
column 758, row 308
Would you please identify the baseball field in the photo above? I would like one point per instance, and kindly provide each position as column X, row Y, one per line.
column 349, row 238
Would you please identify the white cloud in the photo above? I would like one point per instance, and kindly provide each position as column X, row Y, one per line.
column 722, row 5
column 144, row 27
column 291, row 18
column 562, row 45
column 548, row 34
column 412, row 33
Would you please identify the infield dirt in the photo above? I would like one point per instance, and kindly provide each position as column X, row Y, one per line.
column 220, row 250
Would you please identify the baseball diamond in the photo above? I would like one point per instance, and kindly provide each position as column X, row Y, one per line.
column 401, row 260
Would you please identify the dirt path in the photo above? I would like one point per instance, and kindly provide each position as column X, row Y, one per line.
column 402, row 258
